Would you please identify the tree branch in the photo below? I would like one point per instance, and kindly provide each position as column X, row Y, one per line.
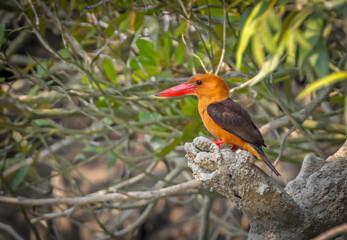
column 163, row 192
column 310, row 204
column 10, row 231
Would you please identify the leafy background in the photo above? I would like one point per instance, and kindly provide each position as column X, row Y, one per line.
column 78, row 114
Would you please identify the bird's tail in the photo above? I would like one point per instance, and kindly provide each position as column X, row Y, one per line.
column 265, row 159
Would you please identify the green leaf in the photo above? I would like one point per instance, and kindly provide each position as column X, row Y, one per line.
column 215, row 12
column 319, row 59
column 2, row 34
column 93, row 149
column 288, row 86
column 64, row 53
column 79, row 156
column 150, row 67
column 258, row 51
column 268, row 39
column 153, row 30
column 134, row 64
column 111, row 159
column 44, row 123
column 244, row 18
column 42, row 26
column 191, row 131
column 33, row 90
column 310, row 37
column 325, row 81
column 180, row 54
column 22, row 173
column 181, row 29
column 290, row 41
column 168, row 148
column 269, row 66
column 124, row 21
column 110, row 30
column 250, row 29
column 167, row 47
column 109, row 70
column 146, row 49
column 125, row 47
column 313, row 28
column 144, row 116
column 164, row 75
column 41, row 69
column 190, row 110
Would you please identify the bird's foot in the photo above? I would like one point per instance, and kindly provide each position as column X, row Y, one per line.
column 219, row 143
column 233, row 148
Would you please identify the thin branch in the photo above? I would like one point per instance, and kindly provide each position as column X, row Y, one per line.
column 192, row 52
column 135, row 224
column 42, row 155
column 37, row 20
column 209, row 27
column 284, row 139
column 224, row 39
column 93, row 6
column 48, row 216
column 299, row 115
column 188, row 17
column 296, row 123
column 205, row 218
column 164, row 192
column 291, row 71
column 11, row 231
column 22, row 208
column 334, row 232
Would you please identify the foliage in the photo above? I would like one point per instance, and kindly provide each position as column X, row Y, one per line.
column 78, row 78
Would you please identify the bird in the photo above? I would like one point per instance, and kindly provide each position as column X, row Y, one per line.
column 224, row 118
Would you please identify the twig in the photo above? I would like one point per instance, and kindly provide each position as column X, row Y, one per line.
column 209, row 27
column 135, row 224
column 332, row 232
column 284, row 139
column 188, row 17
column 91, row 7
column 205, row 218
column 37, row 20
column 224, row 39
column 43, row 154
column 22, row 208
column 48, row 216
column 299, row 115
column 291, row 71
column 164, row 192
column 296, row 123
column 341, row 153
column 191, row 50
column 223, row 222
column 11, row 231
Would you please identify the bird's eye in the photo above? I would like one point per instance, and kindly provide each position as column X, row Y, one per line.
column 199, row 82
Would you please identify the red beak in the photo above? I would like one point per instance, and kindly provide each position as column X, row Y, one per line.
column 179, row 90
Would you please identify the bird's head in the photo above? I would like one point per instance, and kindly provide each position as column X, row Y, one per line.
column 203, row 86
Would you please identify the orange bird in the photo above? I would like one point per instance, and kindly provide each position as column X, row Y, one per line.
column 225, row 119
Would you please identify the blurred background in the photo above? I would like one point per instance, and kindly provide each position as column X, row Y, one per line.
column 78, row 115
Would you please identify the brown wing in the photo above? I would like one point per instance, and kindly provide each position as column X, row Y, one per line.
column 232, row 117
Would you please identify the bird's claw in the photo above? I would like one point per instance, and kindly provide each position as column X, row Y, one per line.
column 219, row 143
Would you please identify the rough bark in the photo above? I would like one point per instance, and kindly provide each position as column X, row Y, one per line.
column 312, row 203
